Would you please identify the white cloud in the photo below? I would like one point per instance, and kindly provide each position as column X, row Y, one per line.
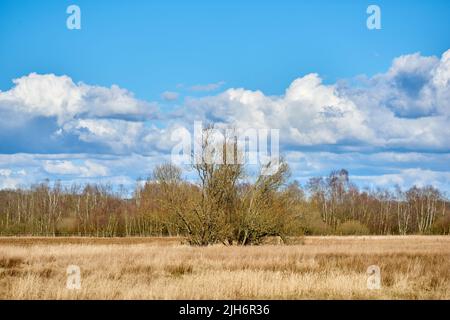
column 207, row 87
column 309, row 113
column 407, row 178
column 414, row 86
column 405, row 108
column 27, row 169
column 49, row 95
column 391, row 128
column 5, row 172
column 120, row 135
column 65, row 167
column 170, row 95
column 10, row 179
column 383, row 169
column 374, row 169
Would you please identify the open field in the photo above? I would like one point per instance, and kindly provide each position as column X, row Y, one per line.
column 412, row 267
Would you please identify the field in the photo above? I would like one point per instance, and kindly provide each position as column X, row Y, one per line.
column 412, row 267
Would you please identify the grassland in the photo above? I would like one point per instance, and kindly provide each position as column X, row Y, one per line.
column 412, row 267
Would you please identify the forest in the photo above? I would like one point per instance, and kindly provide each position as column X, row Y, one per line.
column 221, row 208
column 225, row 204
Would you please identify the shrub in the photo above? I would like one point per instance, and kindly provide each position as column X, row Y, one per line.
column 442, row 225
column 312, row 224
column 352, row 227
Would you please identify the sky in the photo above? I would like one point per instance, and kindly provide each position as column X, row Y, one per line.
column 101, row 103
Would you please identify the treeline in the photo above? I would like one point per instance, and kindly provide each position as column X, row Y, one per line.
column 341, row 208
column 224, row 206
column 324, row 206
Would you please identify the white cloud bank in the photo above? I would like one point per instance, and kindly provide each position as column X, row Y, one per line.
column 49, row 95
column 405, row 108
column 66, row 167
column 401, row 114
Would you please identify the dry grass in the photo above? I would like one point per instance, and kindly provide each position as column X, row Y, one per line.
column 412, row 267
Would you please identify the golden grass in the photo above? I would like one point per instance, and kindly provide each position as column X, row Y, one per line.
column 412, row 267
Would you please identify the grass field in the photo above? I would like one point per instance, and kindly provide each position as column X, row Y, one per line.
column 412, row 267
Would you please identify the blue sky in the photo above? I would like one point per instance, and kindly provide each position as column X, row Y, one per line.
column 99, row 103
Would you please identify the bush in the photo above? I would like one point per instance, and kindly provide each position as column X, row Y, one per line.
column 312, row 224
column 66, row 226
column 442, row 225
column 352, row 227
column 222, row 209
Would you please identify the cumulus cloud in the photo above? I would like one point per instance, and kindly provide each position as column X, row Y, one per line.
column 119, row 135
column 407, row 178
column 49, row 95
column 372, row 169
column 22, row 170
column 95, row 115
column 10, row 179
column 309, row 112
column 65, row 167
column 394, row 125
column 380, row 169
column 404, row 108
column 414, row 86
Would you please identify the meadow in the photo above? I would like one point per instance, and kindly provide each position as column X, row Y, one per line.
column 332, row 267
